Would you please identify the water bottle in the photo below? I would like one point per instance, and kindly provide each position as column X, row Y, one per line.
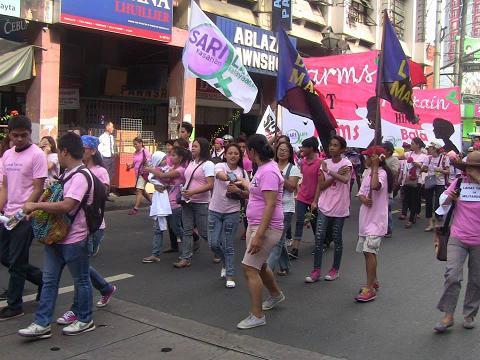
column 15, row 220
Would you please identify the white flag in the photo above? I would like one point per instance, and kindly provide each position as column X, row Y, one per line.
column 209, row 56
column 268, row 124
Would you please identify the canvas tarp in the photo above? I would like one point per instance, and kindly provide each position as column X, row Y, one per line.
column 17, row 62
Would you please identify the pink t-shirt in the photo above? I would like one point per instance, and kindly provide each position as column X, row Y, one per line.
column 418, row 158
column 20, row 169
column 247, row 163
column 102, row 174
column 335, row 200
column 55, row 171
column 373, row 221
column 310, row 180
column 466, row 219
column 220, row 202
column 176, row 185
column 76, row 189
column 207, row 169
column 138, row 159
column 267, row 178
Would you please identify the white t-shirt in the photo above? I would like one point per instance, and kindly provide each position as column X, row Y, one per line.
column 288, row 199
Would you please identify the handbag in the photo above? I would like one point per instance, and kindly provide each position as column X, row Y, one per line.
column 442, row 234
column 179, row 198
column 431, row 180
column 235, row 196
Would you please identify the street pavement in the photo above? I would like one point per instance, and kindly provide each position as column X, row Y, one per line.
column 189, row 314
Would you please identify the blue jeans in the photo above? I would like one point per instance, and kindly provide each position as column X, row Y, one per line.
column 175, row 227
column 157, row 243
column 279, row 254
column 193, row 214
column 323, row 223
column 300, row 210
column 75, row 257
column 222, row 229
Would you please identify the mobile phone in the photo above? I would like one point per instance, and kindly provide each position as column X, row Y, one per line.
column 232, row 177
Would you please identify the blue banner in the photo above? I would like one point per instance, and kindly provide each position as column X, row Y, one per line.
column 150, row 19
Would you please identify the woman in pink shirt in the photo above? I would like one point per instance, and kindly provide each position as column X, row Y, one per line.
column 195, row 195
column 224, row 209
column 377, row 183
column 265, row 227
column 141, row 157
column 464, row 242
column 332, row 199
column 49, row 147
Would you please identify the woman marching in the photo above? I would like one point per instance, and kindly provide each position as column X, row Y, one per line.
column 464, row 242
column 291, row 174
column 141, row 157
column 332, row 198
column 377, row 183
column 195, row 196
column 265, row 227
column 231, row 185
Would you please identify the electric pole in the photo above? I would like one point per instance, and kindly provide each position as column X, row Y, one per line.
column 436, row 55
column 459, row 52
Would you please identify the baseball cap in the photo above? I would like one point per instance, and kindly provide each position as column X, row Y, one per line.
column 372, row 150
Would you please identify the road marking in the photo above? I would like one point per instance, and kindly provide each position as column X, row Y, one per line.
column 68, row 289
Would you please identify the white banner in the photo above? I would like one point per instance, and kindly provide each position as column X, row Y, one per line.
column 297, row 128
column 267, row 125
column 209, row 56
column 10, row 7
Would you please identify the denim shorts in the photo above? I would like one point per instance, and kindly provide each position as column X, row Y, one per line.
column 369, row 244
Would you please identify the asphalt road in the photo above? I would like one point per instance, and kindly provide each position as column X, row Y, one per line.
column 320, row 317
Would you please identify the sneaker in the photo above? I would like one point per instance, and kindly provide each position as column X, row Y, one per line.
column 332, row 275
column 314, row 276
column 223, row 273
column 293, row 254
column 68, row 318
column 469, row 323
column 230, row 284
column 78, row 328
column 272, row 301
column 440, row 327
column 151, row 259
column 105, row 299
column 182, row 264
column 366, row 295
column 8, row 313
column 282, row 272
column 4, row 295
column 251, row 322
column 36, row 331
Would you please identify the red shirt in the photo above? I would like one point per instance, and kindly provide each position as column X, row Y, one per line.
column 308, row 186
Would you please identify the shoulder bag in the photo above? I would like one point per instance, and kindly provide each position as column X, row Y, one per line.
column 442, row 234
column 179, row 199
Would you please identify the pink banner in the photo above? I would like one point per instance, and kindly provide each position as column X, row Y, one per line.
column 348, row 82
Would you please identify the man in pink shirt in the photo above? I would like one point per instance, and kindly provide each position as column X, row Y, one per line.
column 309, row 167
column 72, row 251
column 24, row 172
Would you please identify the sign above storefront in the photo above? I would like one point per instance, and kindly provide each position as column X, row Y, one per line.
column 258, row 48
column 36, row 10
column 149, row 19
column 10, row 7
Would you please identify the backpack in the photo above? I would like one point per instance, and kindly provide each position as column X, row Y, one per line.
column 53, row 228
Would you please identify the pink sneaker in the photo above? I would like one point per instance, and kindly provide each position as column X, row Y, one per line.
column 314, row 276
column 68, row 318
column 366, row 295
column 105, row 299
column 332, row 275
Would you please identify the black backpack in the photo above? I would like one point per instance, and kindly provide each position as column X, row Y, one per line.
column 95, row 211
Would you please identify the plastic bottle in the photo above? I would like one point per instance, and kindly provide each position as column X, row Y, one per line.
column 15, row 220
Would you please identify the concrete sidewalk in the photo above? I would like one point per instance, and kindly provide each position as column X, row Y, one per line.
column 128, row 331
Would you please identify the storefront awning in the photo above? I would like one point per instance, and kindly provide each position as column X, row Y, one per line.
column 17, row 62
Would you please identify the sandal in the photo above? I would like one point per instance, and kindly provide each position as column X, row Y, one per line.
column 133, row 211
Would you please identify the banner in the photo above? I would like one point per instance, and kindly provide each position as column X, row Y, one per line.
column 348, row 82
column 297, row 128
column 267, row 125
column 208, row 55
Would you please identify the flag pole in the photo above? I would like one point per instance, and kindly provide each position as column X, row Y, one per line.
column 378, row 117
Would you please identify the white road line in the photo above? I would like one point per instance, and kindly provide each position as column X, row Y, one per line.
column 68, row 289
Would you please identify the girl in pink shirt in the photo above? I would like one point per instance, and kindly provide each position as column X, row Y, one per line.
column 199, row 177
column 224, row 209
column 464, row 242
column 332, row 199
column 377, row 183
column 141, row 157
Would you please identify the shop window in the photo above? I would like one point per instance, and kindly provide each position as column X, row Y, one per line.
column 396, row 12
column 359, row 12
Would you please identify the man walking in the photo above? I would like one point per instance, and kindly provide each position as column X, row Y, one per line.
column 25, row 171
column 107, row 150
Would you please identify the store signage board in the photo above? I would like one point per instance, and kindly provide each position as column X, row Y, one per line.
column 10, row 7
column 258, row 48
column 69, row 99
column 149, row 19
